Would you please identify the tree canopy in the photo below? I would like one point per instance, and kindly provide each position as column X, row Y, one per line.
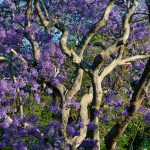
column 74, row 74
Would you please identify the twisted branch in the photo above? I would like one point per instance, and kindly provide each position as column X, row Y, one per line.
column 101, row 23
column 121, row 41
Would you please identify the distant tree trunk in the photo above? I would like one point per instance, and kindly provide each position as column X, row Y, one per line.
column 137, row 98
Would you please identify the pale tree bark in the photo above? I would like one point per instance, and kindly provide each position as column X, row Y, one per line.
column 97, row 99
column 19, row 99
column 36, row 47
column 44, row 22
column 97, row 26
column 68, row 97
column 96, row 79
column 120, row 42
column 19, row 102
column 137, row 98
column 16, row 53
column 127, row 61
column 85, row 102
column 2, row 59
column 98, row 92
column 71, row 54
column 31, row 38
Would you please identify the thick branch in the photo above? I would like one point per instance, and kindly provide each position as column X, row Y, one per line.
column 66, row 50
column 60, row 88
column 35, row 45
column 98, row 93
column 112, row 65
column 133, row 58
column 28, row 14
column 120, row 61
column 44, row 22
column 85, row 101
column 76, row 85
column 70, row 52
column 63, row 42
column 137, row 98
column 74, row 89
column 102, row 22
column 45, row 9
column 126, row 25
column 121, row 41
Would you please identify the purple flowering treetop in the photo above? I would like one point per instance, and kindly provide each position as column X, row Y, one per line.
column 85, row 61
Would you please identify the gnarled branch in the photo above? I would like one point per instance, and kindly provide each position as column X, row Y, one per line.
column 31, row 38
column 85, row 101
column 121, row 41
column 133, row 58
column 101, row 23
column 44, row 22
column 68, row 97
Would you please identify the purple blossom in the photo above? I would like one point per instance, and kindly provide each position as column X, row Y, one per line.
column 92, row 126
column 89, row 143
column 116, row 103
column 147, row 117
column 3, row 112
column 124, row 113
column 73, row 104
column 37, row 97
column 22, row 94
column 109, row 97
column 100, row 112
column 105, row 120
column 147, row 47
column 34, row 73
column 20, row 146
column 136, row 78
column 34, row 86
column 49, row 91
column 73, row 129
column 7, row 122
column 55, row 108
column 3, row 34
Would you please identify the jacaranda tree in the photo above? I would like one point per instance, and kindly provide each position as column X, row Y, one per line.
column 85, row 63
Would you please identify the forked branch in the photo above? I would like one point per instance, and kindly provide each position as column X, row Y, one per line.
column 121, row 41
column 101, row 23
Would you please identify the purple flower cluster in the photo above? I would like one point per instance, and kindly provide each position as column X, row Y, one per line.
column 73, row 104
